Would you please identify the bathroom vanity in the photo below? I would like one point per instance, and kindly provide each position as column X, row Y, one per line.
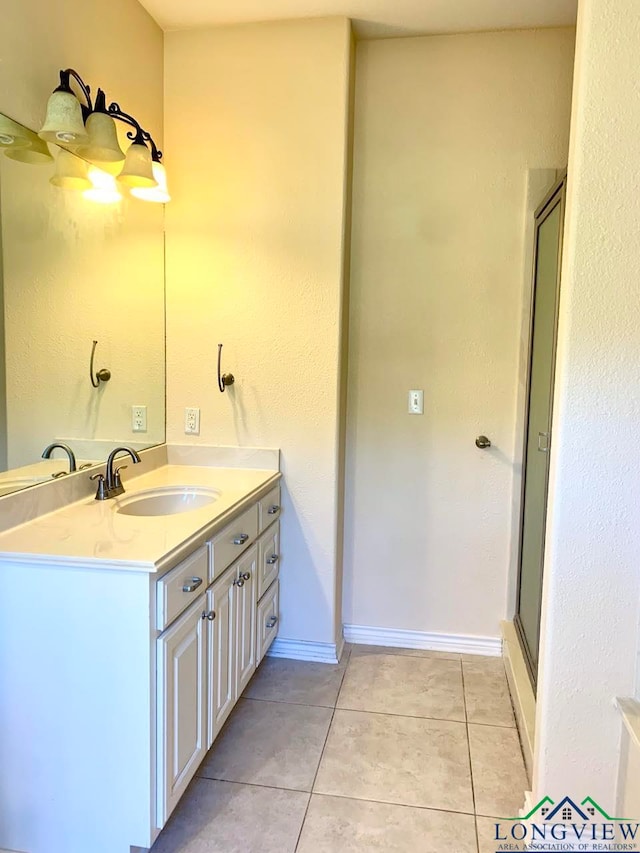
column 128, row 630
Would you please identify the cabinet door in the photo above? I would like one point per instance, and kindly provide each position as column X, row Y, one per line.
column 221, row 647
column 181, row 706
column 246, row 585
column 268, row 559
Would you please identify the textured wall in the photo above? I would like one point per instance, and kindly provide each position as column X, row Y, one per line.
column 592, row 584
column 116, row 45
column 76, row 271
column 446, row 129
column 255, row 238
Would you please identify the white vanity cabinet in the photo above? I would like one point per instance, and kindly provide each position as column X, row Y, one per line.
column 117, row 676
column 206, row 658
column 182, row 705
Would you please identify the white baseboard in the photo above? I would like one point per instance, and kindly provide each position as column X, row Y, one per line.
column 304, row 650
column 396, row 638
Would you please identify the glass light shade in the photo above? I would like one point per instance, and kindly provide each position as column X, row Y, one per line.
column 12, row 134
column 104, row 188
column 103, row 146
column 64, row 120
column 71, row 172
column 138, row 169
column 158, row 194
column 37, row 154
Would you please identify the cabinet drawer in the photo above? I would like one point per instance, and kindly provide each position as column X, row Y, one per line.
column 270, row 508
column 233, row 541
column 268, row 559
column 179, row 587
column 268, row 618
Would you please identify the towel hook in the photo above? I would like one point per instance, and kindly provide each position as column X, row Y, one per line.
column 224, row 379
column 102, row 375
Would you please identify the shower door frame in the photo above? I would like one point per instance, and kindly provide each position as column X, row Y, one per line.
column 555, row 196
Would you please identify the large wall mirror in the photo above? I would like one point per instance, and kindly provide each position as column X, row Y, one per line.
column 75, row 267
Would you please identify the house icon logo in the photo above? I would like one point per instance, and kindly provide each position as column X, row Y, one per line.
column 569, row 824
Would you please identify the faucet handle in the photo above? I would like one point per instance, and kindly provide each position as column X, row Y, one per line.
column 101, row 494
column 117, row 480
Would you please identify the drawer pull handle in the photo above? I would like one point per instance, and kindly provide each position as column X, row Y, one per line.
column 240, row 540
column 192, row 584
column 273, row 559
column 209, row 614
column 272, row 621
column 273, row 510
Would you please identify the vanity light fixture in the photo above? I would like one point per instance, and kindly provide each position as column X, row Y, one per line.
column 104, row 188
column 89, row 130
column 20, row 143
column 71, row 173
column 159, row 193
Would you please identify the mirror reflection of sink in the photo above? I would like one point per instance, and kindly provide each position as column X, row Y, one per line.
column 169, row 500
column 13, row 484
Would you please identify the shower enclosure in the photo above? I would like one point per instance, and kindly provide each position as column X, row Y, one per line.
column 549, row 220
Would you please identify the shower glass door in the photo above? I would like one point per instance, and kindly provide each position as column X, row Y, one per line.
column 548, row 247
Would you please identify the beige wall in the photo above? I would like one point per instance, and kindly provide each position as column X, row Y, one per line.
column 446, row 131
column 76, row 271
column 589, row 641
column 114, row 44
column 255, row 254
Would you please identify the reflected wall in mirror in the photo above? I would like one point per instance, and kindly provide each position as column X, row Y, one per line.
column 74, row 270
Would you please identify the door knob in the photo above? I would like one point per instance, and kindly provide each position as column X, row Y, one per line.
column 483, row 442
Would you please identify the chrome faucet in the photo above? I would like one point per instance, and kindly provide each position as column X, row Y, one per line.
column 110, row 484
column 46, row 454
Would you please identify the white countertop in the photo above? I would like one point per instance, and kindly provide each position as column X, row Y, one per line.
column 93, row 534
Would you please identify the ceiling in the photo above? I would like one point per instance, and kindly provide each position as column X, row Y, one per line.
column 372, row 18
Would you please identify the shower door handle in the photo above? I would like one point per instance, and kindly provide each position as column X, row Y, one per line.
column 543, row 442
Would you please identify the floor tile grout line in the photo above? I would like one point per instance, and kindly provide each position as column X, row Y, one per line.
column 394, row 803
column 251, row 784
column 285, row 702
column 473, row 790
column 344, row 797
column 324, row 746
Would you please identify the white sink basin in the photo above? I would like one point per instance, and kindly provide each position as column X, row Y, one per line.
column 169, row 500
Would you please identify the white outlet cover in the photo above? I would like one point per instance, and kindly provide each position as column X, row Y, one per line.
column 192, row 420
column 139, row 418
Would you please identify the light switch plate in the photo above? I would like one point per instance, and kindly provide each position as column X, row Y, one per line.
column 416, row 402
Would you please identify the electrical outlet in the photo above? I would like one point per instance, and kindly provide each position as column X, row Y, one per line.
column 192, row 421
column 416, row 402
column 139, row 418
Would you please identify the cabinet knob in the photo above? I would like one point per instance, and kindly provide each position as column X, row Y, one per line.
column 272, row 621
column 191, row 584
column 238, row 582
column 482, row 442
column 241, row 539
column 246, row 576
column 273, row 510
column 273, row 559
column 209, row 614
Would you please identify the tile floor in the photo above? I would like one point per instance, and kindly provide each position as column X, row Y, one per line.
column 392, row 750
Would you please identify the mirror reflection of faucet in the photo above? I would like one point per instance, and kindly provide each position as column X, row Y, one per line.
column 46, row 454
